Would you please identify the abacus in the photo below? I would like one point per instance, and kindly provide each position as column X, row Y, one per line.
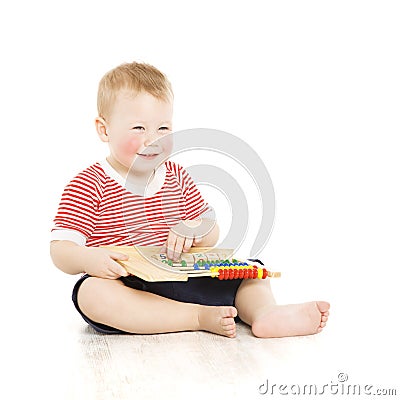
column 150, row 264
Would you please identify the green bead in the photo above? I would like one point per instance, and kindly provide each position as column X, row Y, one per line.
column 183, row 263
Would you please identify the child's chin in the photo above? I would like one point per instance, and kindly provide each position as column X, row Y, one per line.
column 143, row 164
column 148, row 158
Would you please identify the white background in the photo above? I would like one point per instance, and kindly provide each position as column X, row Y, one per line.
column 312, row 86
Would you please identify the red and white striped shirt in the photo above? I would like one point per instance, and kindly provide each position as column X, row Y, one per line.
column 97, row 210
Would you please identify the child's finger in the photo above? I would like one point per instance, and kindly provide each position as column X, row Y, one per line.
column 179, row 244
column 118, row 256
column 171, row 242
column 112, row 275
column 188, row 244
column 198, row 240
column 118, row 269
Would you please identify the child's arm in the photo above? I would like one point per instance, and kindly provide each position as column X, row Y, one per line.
column 211, row 238
column 73, row 259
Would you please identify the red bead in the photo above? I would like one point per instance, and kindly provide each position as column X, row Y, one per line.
column 265, row 273
column 220, row 274
column 235, row 273
column 241, row 273
column 245, row 274
column 231, row 272
column 226, row 274
column 255, row 273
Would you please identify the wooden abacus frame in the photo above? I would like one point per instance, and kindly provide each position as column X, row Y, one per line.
column 150, row 264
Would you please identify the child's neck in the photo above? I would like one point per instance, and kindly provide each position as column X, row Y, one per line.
column 137, row 181
column 124, row 171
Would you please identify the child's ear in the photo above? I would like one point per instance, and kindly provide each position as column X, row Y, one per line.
column 101, row 128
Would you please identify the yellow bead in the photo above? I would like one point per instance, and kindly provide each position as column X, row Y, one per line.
column 260, row 273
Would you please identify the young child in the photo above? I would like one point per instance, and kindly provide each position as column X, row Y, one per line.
column 135, row 104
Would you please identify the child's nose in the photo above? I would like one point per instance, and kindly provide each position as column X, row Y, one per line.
column 150, row 138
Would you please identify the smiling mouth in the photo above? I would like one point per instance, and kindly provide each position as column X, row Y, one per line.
column 148, row 155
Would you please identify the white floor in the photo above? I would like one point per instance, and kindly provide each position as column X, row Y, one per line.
column 52, row 352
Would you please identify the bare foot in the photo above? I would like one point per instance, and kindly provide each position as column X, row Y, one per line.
column 219, row 320
column 291, row 320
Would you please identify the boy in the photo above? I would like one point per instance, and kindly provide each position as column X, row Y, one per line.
column 96, row 209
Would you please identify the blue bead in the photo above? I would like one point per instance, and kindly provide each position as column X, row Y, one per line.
column 196, row 266
column 206, row 266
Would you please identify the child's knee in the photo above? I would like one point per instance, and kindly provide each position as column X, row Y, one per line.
column 90, row 295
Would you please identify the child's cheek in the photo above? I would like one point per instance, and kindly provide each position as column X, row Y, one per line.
column 128, row 147
column 166, row 142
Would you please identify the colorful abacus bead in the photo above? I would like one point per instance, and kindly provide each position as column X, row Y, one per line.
column 226, row 273
column 265, row 273
column 225, row 270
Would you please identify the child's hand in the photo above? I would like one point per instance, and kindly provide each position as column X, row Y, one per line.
column 102, row 263
column 182, row 237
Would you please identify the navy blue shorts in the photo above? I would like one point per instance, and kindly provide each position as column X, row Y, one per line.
column 205, row 291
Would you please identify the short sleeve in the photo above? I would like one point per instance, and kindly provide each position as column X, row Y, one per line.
column 195, row 205
column 78, row 209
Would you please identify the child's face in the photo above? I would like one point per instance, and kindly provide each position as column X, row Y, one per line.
column 136, row 132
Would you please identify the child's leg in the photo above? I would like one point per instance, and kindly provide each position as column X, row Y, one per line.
column 110, row 302
column 257, row 307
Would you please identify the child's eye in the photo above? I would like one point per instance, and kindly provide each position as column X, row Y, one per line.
column 138, row 128
column 164, row 128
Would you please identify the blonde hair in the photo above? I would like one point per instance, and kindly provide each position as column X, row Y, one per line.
column 135, row 77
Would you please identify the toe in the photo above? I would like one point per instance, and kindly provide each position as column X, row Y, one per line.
column 227, row 321
column 228, row 328
column 324, row 319
column 231, row 333
column 323, row 306
column 232, row 312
